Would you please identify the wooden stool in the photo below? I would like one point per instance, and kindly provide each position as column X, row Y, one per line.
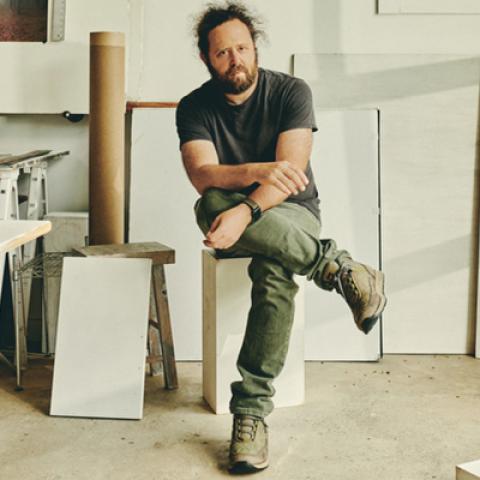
column 160, row 338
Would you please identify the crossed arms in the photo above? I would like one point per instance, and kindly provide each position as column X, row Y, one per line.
column 278, row 180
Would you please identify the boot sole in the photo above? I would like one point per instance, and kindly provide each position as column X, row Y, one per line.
column 247, row 467
column 370, row 322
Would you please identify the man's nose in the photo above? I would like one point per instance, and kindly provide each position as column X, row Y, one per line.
column 234, row 58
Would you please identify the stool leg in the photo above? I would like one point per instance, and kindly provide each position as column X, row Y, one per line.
column 154, row 346
column 19, row 320
column 165, row 328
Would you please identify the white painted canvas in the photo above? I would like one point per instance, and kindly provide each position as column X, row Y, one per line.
column 345, row 164
column 101, row 339
column 161, row 209
column 428, row 134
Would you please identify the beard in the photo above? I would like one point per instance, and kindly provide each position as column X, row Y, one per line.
column 228, row 82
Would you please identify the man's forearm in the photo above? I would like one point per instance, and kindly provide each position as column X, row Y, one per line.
column 230, row 177
column 268, row 196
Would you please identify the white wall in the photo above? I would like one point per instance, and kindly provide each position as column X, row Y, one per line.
column 162, row 59
column 67, row 177
column 53, row 77
column 169, row 65
column 163, row 64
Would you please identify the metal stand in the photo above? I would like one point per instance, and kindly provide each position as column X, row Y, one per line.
column 33, row 164
column 41, row 266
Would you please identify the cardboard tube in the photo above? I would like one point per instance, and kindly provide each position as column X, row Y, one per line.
column 107, row 138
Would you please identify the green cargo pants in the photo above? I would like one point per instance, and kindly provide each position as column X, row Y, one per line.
column 283, row 242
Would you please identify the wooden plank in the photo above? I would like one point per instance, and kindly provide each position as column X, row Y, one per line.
column 166, row 336
column 209, row 335
column 56, row 155
column 132, row 105
column 23, row 156
column 14, row 233
column 154, row 341
column 159, row 253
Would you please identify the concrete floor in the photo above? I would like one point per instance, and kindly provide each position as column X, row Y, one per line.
column 404, row 418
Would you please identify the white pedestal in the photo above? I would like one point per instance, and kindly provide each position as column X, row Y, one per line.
column 469, row 471
column 226, row 302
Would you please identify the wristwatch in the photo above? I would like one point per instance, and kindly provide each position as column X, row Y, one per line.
column 254, row 207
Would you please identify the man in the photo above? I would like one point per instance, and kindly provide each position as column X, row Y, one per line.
column 246, row 139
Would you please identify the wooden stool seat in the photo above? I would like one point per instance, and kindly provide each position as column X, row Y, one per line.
column 160, row 338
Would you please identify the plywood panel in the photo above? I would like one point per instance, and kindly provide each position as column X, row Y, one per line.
column 428, row 124
column 101, row 339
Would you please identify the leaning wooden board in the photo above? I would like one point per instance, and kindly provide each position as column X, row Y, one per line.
column 14, row 233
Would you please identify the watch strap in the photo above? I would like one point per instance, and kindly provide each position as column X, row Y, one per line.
column 254, row 207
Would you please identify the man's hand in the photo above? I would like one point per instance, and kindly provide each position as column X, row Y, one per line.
column 228, row 227
column 286, row 176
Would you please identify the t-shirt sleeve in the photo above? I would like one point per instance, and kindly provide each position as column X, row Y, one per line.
column 191, row 122
column 298, row 111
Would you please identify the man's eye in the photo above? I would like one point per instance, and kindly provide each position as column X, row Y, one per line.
column 222, row 53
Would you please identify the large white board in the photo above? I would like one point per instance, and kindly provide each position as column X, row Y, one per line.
column 161, row 209
column 101, row 339
column 345, row 163
column 428, row 132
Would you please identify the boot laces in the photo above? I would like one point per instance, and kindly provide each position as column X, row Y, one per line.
column 245, row 428
column 346, row 285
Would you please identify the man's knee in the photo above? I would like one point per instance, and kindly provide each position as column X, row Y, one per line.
column 269, row 273
column 206, row 206
column 213, row 202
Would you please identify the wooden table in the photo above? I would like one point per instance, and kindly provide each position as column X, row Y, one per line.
column 14, row 234
column 160, row 336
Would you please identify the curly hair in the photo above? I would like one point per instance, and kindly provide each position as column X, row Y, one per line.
column 216, row 14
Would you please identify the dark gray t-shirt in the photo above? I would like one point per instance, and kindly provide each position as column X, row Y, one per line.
column 249, row 132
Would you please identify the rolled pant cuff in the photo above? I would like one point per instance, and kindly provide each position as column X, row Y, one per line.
column 248, row 411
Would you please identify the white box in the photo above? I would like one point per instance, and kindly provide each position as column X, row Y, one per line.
column 469, row 471
column 226, row 302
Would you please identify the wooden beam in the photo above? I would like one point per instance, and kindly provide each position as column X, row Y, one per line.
column 132, row 105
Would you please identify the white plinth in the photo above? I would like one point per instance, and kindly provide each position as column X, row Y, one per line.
column 226, row 302
column 469, row 471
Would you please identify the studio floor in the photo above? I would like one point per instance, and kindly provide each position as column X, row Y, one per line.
column 407, row 417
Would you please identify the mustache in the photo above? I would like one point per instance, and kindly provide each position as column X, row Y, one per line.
column 237, row 68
